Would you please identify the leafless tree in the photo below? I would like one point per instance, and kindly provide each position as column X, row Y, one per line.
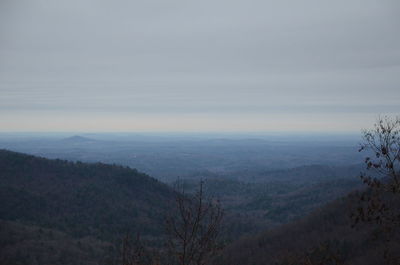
column 383, row 172
column 134, row 252
column 193, row 229
column 379, row 204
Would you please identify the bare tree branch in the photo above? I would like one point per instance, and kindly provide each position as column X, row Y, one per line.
column 194, row 229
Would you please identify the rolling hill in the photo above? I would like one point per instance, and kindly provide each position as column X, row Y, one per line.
column 81, row 199
column 325, row 237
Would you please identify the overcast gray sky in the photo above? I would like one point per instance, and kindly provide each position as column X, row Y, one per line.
column 210, row 65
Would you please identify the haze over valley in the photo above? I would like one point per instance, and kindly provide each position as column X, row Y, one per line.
column 214, row 132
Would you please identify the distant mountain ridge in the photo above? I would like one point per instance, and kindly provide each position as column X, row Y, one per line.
column 78, row 138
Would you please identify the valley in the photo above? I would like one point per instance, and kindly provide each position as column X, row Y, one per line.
column 93, row 205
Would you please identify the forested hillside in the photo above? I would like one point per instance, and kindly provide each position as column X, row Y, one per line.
column 79, row 199
column 34, row 245
column 276, row 197
column 324, row 237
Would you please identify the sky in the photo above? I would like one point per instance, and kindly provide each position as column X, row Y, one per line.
column 198, row 66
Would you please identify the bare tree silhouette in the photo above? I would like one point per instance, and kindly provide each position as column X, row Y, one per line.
column 193, row 229
column 379, row 203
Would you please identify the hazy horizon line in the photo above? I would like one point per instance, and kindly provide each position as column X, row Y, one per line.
column 301, row 132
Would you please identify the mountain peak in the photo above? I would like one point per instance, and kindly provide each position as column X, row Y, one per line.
column 78, row 138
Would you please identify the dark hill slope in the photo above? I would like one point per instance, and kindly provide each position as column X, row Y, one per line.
column 79, row 198
column 32, row 245
column 326, row 232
